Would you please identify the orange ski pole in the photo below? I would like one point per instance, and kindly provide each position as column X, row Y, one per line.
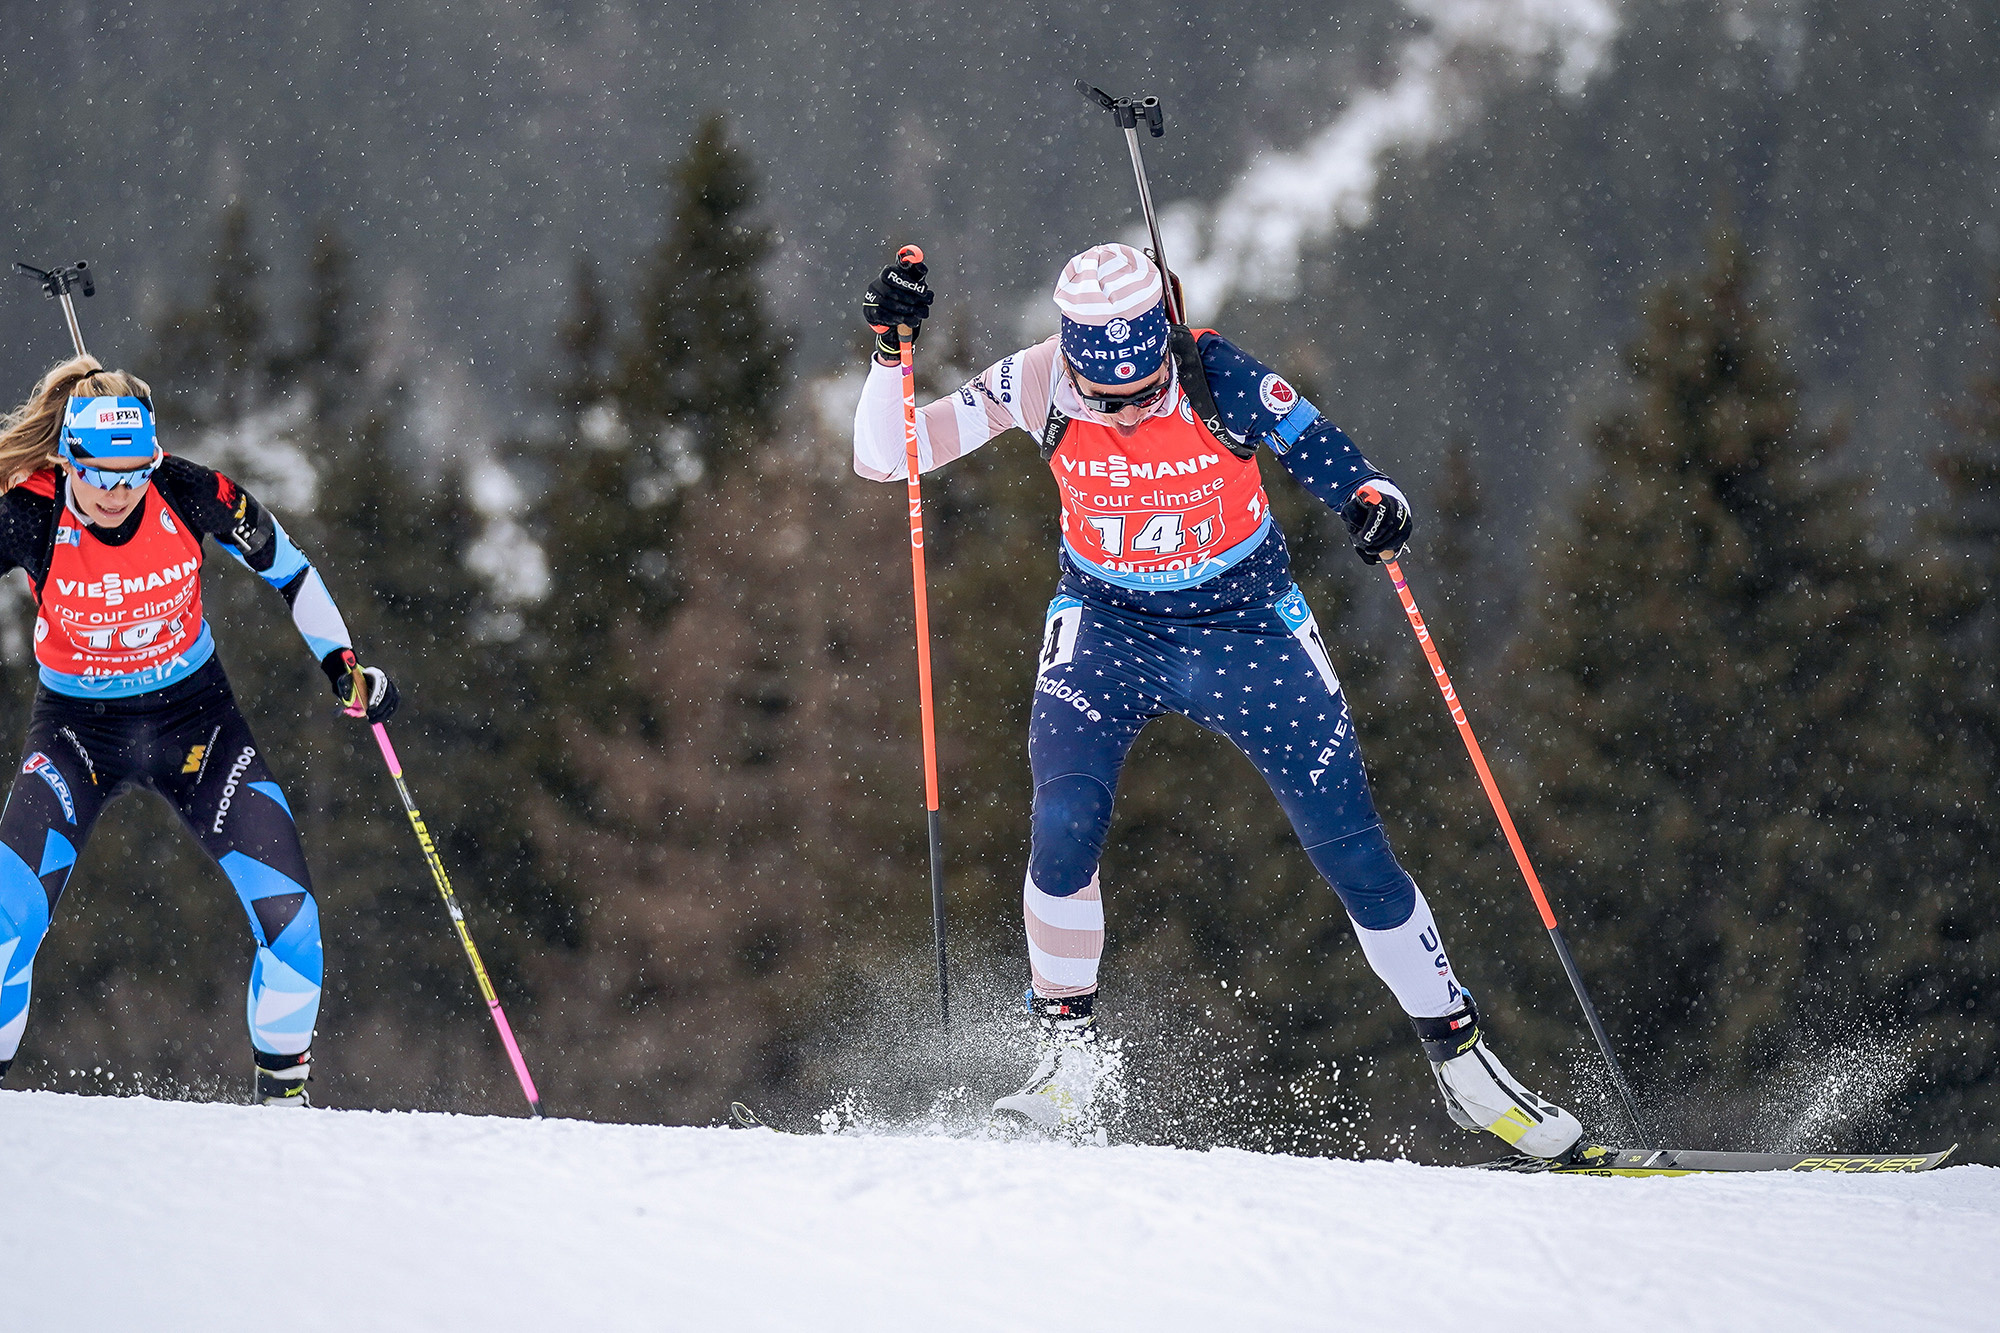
column 910, row 254
column 1457, row 707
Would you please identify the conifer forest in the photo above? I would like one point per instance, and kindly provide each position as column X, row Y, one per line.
column 1682, row 335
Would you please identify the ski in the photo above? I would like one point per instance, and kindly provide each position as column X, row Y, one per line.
column 742, row 1117
column 1598, row 1160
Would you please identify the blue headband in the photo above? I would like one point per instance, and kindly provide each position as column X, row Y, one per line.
column 1118, row 351
column 108, row 430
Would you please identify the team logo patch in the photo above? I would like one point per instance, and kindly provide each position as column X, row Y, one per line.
column 68, row 536
column 40, row 763
column 1125, row 370
column 1187, row 410
column 1278, row 397
column 167, row 520
column 1118, row 330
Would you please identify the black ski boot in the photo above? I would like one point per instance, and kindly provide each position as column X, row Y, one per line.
column 281, row 1079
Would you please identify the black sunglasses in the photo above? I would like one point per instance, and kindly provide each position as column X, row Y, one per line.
column 1112, row 404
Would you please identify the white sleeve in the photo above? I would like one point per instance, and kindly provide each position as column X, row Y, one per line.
column 318, row 619
column 1011, row 393
column 880, row 449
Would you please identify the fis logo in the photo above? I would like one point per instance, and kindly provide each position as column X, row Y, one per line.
column 40, row 764
column 68, row 536
column 195, row 755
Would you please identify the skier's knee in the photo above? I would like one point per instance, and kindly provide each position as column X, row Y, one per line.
column 1072, row 817
column 1377, row 892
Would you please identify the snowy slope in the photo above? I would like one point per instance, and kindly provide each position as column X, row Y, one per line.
column 136, row 1214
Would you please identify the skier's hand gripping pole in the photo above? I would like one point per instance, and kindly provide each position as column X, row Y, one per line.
column 1457, row 708
column 905, row 341
column 443, row 880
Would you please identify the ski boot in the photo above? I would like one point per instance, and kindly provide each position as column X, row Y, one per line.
column 281, row 1079
column 1058, row 1095
column 1480, row 1093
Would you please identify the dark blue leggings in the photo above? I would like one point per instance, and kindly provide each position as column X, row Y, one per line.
column 189, row 743
column 1260, row 677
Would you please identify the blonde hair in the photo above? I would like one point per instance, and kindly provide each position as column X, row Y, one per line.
column 28, row 434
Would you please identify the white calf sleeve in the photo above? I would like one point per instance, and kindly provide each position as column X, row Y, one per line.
column 1065, row 938
column 1411, row 959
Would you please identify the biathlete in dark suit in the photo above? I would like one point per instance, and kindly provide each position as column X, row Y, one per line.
column 109, row 527
column 1176, row 597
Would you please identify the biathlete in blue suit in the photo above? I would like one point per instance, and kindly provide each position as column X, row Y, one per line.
column 1176, row 597
column 109, row 530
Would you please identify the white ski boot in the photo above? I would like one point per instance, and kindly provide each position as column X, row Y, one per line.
column 1058, row 1096
column 1480, row 1093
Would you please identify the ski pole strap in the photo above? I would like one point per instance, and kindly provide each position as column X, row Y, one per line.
column 357, row 692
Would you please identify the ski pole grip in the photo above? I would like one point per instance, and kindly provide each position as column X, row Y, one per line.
column 1366, row 491
column 909, row 254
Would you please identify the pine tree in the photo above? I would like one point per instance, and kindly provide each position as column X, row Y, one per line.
column 1971, row 473
column 649, row 421
column 1743, row 799
column 703, row 362
column 218, row 346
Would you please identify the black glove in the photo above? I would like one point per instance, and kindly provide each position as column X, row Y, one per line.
column 1378, row 518
column 378, row 691
column 899, row 296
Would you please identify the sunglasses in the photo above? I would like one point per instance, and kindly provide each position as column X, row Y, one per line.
column 107, row 479
column 1113, row 404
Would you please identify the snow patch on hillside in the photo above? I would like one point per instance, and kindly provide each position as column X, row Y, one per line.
column 1250, row 241
column 131, row 1213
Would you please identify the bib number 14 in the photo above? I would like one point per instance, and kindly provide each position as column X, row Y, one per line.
column 1162, row 534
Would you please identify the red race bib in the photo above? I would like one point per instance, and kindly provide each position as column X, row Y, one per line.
column 121, row 611
column 1167, row 506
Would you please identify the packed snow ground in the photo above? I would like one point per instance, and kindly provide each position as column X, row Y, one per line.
column 139, row 1214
